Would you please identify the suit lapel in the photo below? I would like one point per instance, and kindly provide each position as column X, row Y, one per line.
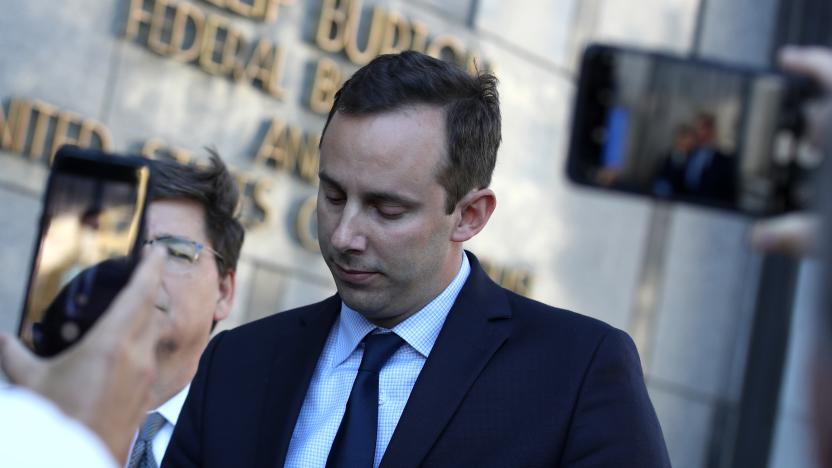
column 476, row 327
column 296, row 351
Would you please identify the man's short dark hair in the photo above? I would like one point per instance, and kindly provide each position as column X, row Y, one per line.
column 471, row 105
column 213, row 187
column 706, row 118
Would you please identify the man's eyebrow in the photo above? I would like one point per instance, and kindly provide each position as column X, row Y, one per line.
column 373, row 197
column 328, row 180
column 391, row 198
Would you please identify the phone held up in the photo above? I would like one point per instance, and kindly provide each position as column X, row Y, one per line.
column 691, row 130
column 89, row 241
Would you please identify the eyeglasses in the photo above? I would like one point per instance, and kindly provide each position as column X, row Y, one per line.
column 182, row 252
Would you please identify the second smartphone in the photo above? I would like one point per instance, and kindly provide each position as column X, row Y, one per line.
column 691, row 130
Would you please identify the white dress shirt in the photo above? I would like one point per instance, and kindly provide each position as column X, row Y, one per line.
column 35, row 433
column 170, row 411
column 326, row 399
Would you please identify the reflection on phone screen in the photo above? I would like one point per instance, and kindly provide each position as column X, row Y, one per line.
column 89, row 228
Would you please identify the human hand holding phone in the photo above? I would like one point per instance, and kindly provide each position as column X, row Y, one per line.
column 105, row 380
column 89, row 238
column 796, row 234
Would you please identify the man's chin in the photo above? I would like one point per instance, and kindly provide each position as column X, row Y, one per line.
column 374, row 309
column 360, row 301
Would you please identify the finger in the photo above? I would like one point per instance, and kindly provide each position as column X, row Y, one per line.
column 17, row 362
column 793, row 234
column 815, row 62
column 819, row 116
column 131, row 308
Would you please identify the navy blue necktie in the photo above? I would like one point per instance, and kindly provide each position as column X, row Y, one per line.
column 355, row 442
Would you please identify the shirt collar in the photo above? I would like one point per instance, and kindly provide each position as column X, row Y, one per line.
column 170, row 409
column 420, row 330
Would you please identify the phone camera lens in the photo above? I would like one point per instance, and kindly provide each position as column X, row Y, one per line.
column 70, row 332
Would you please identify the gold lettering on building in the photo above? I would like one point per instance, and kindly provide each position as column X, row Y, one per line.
column 66, row 126
column 7, row 121
column 157, row 28
column 155, row 148
column 263, row 10
column 36, row 129
column 340, row 29
column 183, row 32
column 331, row 27
column 305, row 229
column 21, row 126
column 420, row 36
column 290, row 149
column 43, row 113
column 372, row 42
column 220, row 44
column 254, row 209
column 266, row 67
column 328, row 80
column 398, row 35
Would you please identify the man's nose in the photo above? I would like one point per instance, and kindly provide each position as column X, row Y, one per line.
column 349, row 236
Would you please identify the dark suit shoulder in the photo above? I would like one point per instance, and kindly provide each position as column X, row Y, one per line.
column 530, row 313
column 267, row 326
column 562, row 339
column 258, row 342
column 611, row 419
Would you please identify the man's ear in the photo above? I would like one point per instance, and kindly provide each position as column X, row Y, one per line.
column 227, row 287
column 474, row 211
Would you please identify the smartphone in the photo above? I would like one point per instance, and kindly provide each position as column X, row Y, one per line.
column 89, row 241
column 690, row 130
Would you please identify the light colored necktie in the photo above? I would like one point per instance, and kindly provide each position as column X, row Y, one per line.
column 142, row 454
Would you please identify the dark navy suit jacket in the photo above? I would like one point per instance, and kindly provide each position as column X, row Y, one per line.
column 510, row 382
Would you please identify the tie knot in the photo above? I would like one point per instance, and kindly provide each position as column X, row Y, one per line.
column 151, row 426
column 378, row 348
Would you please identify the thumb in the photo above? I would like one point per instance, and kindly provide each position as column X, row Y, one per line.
column 815, row 62
column 791, row 234
column 17, row 362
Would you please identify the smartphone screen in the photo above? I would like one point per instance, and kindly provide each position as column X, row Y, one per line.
column 87, row 247
column 688, row 130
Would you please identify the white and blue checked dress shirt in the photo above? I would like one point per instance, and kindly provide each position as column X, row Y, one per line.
column 326, row 399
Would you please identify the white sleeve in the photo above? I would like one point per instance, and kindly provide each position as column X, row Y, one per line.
column 35, row 433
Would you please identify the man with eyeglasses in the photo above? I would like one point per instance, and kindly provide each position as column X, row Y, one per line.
column 193, row 215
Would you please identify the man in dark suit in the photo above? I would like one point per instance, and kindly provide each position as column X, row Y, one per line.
column 420, row 359
column 709, row 171
column 669, row 179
